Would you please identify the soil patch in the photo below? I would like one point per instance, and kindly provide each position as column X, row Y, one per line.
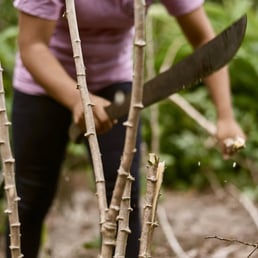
column 72, row 228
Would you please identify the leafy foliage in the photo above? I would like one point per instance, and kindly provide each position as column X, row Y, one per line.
column 8, row 14
column 8, row 34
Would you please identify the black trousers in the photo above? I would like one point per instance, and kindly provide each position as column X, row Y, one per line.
column 40, row 136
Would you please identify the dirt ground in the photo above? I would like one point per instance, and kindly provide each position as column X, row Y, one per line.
column 72, row 225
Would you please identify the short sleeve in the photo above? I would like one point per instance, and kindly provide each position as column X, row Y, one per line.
column 46, row 9
column 180, row 7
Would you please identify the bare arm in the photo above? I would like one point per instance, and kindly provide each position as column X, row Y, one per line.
column 198, row 31
column 33, row 41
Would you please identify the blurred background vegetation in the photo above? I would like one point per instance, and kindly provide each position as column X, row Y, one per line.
column 184, row 145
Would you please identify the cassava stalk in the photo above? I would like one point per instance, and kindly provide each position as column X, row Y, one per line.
column 154, row 180
column 9, row 177
column 123, row 220
column 150, row 73
column 88, row 114
column 131, row 126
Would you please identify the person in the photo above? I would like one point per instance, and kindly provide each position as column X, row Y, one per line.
column 46, row 99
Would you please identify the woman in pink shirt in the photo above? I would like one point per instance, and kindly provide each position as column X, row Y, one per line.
column 46, row 99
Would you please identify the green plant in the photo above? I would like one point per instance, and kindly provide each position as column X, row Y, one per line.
column 8, row 34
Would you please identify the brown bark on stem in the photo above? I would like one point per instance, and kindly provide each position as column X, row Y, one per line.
column 154, row 182
column 150, row 72
column 123, row 220
column 89, row 119
column 9, row 177
column 131, row 126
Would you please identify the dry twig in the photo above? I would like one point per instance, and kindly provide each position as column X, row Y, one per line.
column 245, row 201
column 254, row 245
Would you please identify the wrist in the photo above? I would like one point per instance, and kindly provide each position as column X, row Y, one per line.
column 71, row 97
column 225, row 113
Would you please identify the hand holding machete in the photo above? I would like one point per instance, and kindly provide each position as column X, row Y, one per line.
column 204, row 61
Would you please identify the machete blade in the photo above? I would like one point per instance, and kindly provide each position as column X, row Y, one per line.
column 202, row 62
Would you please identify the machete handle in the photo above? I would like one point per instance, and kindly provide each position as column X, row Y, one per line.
column 118, row 109
column 115, row 110
column 75, row 133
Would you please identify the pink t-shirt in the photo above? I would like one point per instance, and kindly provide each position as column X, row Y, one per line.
column 106, row 33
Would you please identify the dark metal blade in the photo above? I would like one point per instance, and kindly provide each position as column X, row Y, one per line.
column 204, row 61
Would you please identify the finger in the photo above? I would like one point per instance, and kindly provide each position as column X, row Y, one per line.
column 104, row 122
column 231, row 146
column 234, row 144
column 80, row 122
column 103, row 127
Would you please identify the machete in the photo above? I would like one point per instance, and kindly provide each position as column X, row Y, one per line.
column 205, row 60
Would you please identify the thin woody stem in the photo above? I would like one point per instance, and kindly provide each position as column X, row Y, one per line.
column 123, row 220
column 9, row 177
column 150, row 73
column 87, row 105
column 154, row 181
column 131, row 127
